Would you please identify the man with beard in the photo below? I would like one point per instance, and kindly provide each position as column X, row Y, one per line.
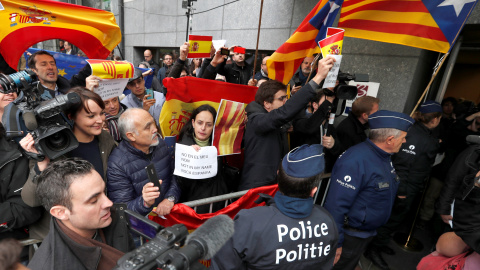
column 299, row 79
column 127, row 179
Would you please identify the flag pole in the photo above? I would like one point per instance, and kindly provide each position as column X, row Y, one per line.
column 258, row 38
column 429, row 84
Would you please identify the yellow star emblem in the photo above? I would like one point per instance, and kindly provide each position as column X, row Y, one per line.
column 62, row 72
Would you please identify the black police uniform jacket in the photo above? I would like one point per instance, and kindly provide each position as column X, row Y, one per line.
column 265, row 238
column 414, row 161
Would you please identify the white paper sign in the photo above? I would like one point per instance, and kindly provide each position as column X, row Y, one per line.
column 195, row 165
column 331, row 79
column 363, row 89
column 111, row 88
column 217, row 44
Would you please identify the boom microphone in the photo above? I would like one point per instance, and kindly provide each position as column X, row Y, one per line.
column 203, row 243
column 473, row 139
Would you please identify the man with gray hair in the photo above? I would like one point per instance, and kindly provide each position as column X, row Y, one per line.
column 364, row 185
column 127, row 179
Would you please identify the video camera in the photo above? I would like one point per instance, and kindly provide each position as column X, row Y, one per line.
column 38, row 113
column 343, row 91
column 163, row 250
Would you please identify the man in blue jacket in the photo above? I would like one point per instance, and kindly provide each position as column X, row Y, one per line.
column 291, row 232
column 364, row 185
column 127, row 179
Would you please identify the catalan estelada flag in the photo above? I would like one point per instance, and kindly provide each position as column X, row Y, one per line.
column 333, row 43
column 428, row 24
column 187, row 93
column 303, row 43
column 229, row 127
column 27, row 22
column 199, row 46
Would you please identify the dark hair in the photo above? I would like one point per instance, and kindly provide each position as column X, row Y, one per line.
column 10, row 250
column 3, row 132
column 318, row 96
column 54, row 182
column 32, row 61
column 187, row 130
column 364, row 105
column 267, row 91
column 451, row 100
column 171, row 55
column 191, row 67
column 296, row 187
column 85, row 95
column 425, row 118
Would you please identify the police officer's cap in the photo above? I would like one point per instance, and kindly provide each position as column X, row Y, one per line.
column 304, row 161
column 136, row 74
column 389, row 119
column 430, row 106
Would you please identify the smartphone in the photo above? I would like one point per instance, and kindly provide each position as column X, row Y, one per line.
column 298, row 84
column 224, row 51
column 141, row 225
column 153, row 177
column 149, row 92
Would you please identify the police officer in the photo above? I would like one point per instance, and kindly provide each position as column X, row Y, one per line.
column 413, row 164
column 290, row 232
column 364, row 184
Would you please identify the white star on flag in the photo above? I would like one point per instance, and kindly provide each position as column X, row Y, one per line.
column 457, row 4
column 333, row 7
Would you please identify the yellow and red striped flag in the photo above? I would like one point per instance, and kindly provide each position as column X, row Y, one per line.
column 229, row 127
column 199, row 46
column 27, row 22
column 187, row 93
column 427, row 24
column 303, row 43
column 333, row 43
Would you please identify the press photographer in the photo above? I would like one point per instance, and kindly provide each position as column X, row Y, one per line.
column 95, row 146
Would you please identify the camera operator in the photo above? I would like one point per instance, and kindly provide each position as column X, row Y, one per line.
column 95, row 145
column 45, row 67
column 86, row 230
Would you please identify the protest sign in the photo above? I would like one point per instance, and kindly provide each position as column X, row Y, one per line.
column 332, row 45
column 114, row 74
column 195, row 165
column 199, row 46
column 363, row 89
column 331, row 79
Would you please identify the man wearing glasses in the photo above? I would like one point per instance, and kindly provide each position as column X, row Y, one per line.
column 265, row 139
column 149, row 100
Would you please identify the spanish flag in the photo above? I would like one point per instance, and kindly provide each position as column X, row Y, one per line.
column 333, row 43
column 285, row 61
column 199, row 46
column 27, row 22
column 428, row 24
column 187, row 93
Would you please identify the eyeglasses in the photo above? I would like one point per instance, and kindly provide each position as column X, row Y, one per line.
column 282, row 98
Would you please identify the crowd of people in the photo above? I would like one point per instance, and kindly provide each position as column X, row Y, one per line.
column 380, row 162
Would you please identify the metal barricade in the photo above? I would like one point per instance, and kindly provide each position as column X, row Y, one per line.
column 228, row 197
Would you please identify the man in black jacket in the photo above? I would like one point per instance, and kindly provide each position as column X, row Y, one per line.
column 265, row 140
column 238, row 71
column 352, row 130
column 84, row 232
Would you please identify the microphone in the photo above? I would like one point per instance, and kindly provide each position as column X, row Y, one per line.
column 203, row 243
column 30, row 120
column 473, row 139
column 331, row 119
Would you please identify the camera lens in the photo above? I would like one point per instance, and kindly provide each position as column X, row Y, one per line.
column 58, row 141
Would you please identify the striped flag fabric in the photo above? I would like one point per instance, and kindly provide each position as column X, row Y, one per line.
column 427, row 24
column 187, row 93
column 229, row 127
column 27, row 22
column 333, row 44
column 199, row 46
column 285, row 61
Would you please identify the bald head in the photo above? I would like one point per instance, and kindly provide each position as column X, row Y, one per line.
column 264, row 64
column 148, row 55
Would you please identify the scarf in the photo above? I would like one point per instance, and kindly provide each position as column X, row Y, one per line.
column 201, row 143
column 293, row 207
column 112, row 121
column 109, row 255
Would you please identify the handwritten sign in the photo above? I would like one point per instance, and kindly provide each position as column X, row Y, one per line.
column 331, row 79
column 195, row 165
column 110, row 88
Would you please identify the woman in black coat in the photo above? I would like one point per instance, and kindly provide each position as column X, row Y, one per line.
column 197, row 132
